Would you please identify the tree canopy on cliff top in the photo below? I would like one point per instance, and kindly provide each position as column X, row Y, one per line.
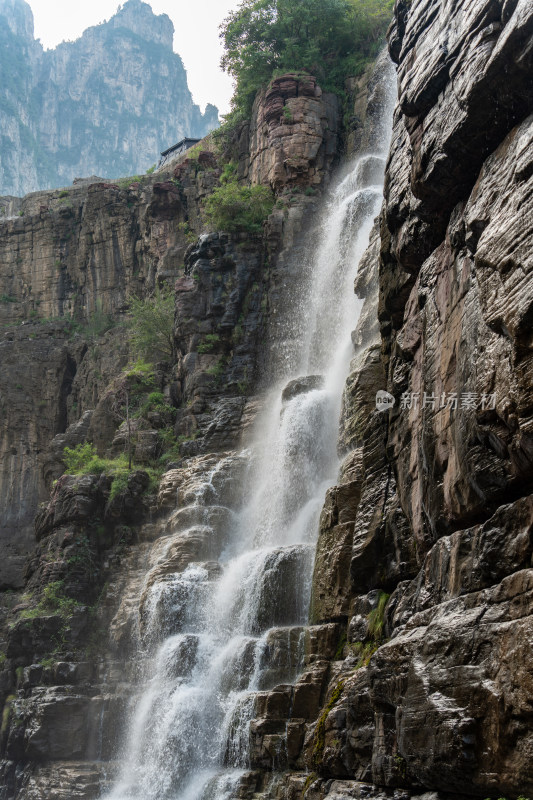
column 332, row 39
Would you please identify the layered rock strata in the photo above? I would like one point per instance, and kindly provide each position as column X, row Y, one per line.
column 72, row 259
column 434, row 504
column 416, row 667
column 425, row 546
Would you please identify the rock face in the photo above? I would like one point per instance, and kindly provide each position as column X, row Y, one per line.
column 434, row 503
column 106, row 104
column 455, row 295
column 414, row 678
column 293, row 134
column 71, row 261
column 424, row 551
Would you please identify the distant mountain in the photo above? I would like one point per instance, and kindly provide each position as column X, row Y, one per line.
column 106, row 104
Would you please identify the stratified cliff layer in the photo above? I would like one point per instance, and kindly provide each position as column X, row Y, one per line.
column 71, row 262
column 416, row 664
column 105, row 104
column 423, row 565
column 434, row 510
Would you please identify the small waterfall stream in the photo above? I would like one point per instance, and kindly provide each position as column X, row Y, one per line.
column 210, row 622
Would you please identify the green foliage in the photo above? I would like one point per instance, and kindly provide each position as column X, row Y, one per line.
column 187, row 231
column 172, row 446
column 232, row 207
column 311, row 778
column 82, row 459
column 229, row 173
column 6, row 298
column 376, row 618
column 364, row 652
column 209, row 343
column 152, row 325
column 340, row 647
column 151, row 169
column 141, row 370
column 120, row 483
column 125, row 183
column 156, row 401
column 6, row 713
column 216, row 370
column 3, row 658
column 53, row 601
column 328, row 38
column 521, row 797
column 320, row 730
column 401, row 765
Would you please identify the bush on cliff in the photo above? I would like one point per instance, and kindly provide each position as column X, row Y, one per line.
column 84, row 460
column 330, row 38
column 152, row 325
column 232, row 207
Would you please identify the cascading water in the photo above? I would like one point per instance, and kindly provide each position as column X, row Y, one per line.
column 209, row 622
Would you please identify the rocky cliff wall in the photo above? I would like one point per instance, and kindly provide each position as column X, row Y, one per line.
column 71, row 260
column 424, row 555
column 423, row 565
column 416, row 671
column 106, row 104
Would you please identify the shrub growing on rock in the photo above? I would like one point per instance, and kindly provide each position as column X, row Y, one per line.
column 152, row 325
column 232, row 207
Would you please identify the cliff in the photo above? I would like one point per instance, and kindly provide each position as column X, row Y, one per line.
column 72, row 260
column 106, row 104
column 440, row 505
column 425, row 546
column 412, row 677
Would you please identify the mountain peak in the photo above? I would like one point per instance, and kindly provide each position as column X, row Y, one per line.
column 139, row 18
column 19, row 17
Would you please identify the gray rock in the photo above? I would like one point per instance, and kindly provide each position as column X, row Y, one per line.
column 301, row 386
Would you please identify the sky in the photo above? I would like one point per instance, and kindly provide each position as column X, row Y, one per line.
column 195, row 39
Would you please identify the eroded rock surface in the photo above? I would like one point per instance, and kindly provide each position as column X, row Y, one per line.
column 414, row 679
column 434, row 506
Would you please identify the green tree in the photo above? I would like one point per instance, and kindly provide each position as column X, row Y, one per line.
column 329, row 38
column 152, row 325
column 231, row 207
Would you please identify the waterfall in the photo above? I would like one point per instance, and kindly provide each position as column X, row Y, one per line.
column 230, row 622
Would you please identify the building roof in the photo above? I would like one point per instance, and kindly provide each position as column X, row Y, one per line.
column 187, row 142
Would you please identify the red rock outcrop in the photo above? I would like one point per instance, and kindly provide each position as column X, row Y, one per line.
column 293, row 135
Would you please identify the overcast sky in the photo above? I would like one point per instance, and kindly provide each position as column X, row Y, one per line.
column 196, row 36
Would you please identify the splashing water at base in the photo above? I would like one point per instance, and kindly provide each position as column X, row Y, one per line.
column 188, row 736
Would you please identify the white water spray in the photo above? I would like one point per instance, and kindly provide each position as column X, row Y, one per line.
column 211, row 623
